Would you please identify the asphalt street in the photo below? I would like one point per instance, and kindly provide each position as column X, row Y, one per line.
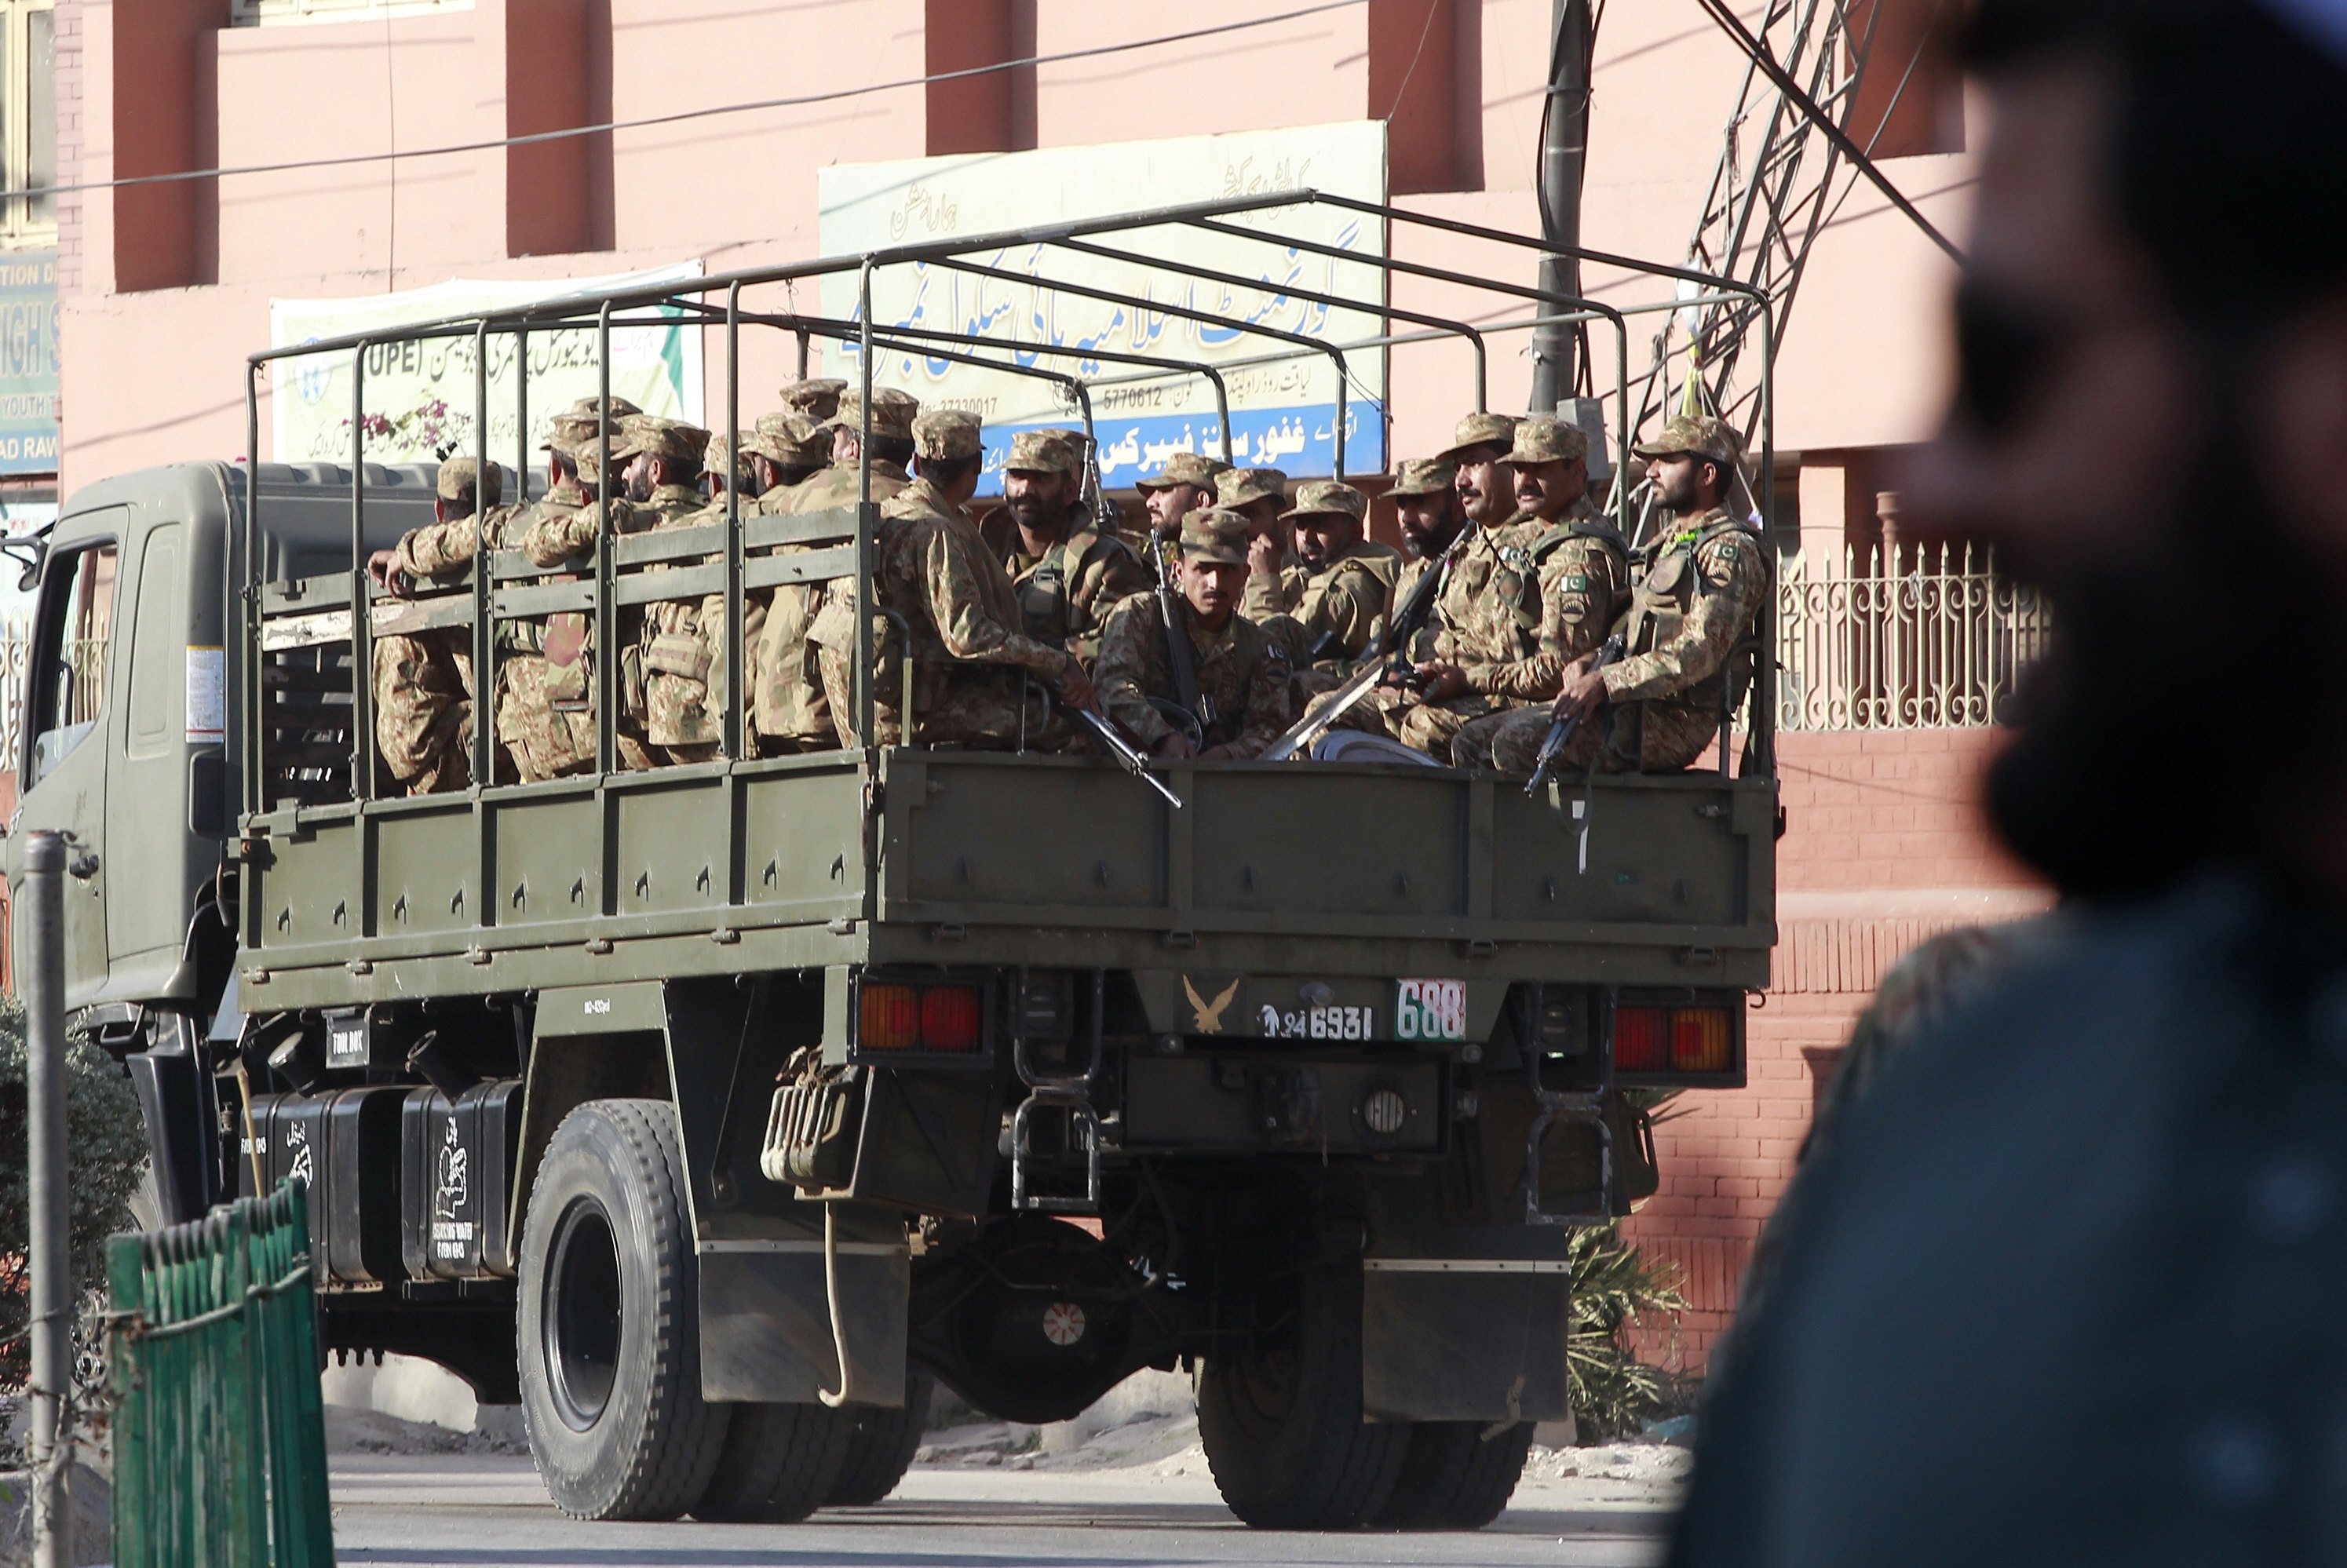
column 489, row 1512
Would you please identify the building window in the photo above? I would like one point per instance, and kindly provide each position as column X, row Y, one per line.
column 28, row 121
column 273, row 13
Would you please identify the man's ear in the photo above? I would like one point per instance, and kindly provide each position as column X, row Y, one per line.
column 2304, row 423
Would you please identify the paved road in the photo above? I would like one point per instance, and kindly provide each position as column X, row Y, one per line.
column 489, row 1512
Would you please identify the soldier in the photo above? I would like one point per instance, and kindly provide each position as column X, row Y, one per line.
column 971, row 663
column 815, row 400
column 1183, row 485
column 664, row 664
column 785, row 451
column 792, row 708
column 1068, row 573
column 724, row 467
column 1349, row 579
column 1427, row 505
column 1275, row 573
column 1242, row 670
column 1660, row 706
column 1562, row 574
column 423, row 680
column 1469, row 625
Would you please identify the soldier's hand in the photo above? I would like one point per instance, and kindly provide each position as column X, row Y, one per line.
column 1213, row 753
column 1174, row 745
column 1583, row 689
column 1440, row 682
column 384, row 566
column 1263, row 554
column 1075, row 687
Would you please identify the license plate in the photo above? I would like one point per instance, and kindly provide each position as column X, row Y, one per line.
column 1430, row 1009
column 1317, row 1023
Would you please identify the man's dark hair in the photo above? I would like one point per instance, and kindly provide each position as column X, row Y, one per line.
column 897, row 449
column 2225, row 146
column 948, row 472
column 2230, row 140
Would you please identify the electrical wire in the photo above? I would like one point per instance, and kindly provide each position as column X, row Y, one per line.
column 496, row 143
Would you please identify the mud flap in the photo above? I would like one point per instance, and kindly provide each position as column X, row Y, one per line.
column 765, row 1320
column 1464, row 1339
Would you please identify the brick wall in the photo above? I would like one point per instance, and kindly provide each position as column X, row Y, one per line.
column 1884, row 845
column 71, row 136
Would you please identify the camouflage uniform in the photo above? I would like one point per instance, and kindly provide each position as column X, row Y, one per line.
column 1267, row 593
column 1242, row 671
column 1067, row 593
column 1416, row 477
column 1699, row 596
column 423, row 680
column 1163, row 553
column 969, row 658
column 791, row 704
column 1563, row 580
column 553, row 539
column 1344, row 599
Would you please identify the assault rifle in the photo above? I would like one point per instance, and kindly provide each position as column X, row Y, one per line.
column 1553, row 743
column 1128, row 756
column 1181, row 659
column 1385, row 664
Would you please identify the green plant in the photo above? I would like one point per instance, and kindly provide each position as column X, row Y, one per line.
column 1617, row 1287
column 107, row 1150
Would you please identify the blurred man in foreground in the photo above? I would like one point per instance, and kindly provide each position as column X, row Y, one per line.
column 2065, row 1286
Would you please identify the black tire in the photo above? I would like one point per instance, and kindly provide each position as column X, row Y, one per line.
column 1283, row 1428
column 881, row 1449
column 1454, row 1478
column 780, row 1463
column 611, row 1320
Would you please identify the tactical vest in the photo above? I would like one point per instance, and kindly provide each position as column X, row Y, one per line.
column 1665, row 595
column 1517, row 579
column 1046, row 593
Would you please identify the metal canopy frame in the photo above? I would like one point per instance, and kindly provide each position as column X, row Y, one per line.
column 619, row 310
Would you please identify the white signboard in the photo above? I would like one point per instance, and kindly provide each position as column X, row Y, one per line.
column 420, row 396
column 1283, row 415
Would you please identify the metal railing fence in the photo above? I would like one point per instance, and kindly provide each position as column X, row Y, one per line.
column 1868, row 646
column 220, row 1442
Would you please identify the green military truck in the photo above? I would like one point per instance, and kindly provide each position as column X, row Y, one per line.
column 713, row 1112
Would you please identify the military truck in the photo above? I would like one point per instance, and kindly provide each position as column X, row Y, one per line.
column 713, row 1111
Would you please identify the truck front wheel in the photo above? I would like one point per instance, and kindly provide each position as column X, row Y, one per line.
column 609, row 1321
column 1281, row 1423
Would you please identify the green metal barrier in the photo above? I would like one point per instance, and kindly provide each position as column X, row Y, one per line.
column 219, row 1441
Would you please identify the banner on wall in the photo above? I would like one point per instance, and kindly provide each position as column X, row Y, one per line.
column 28, row 363
column 420, row 396
column 1285, row 411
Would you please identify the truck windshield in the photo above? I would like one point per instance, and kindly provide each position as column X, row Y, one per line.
column 75, row 625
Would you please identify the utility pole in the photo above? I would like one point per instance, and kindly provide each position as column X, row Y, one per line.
column 1565, row 156
column 43, row 908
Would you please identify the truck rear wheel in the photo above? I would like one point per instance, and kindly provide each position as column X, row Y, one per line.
column 780, row 1463
column 1283, row 1427
column 1456, row 1478
column 880, row 1449
column 611, row 1320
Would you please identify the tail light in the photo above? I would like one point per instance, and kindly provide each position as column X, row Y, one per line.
column 1695, row 1035
column 892, row 1018
column 920, row 1018
column 1699, row 1040
column 1642, row 1040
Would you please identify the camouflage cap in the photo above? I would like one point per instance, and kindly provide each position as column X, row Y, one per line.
column 944, row 433
column 579, row 422
column 713, row 457
column 1078, row 441
column 456, row 477
column 818, row 399
column 1043, row 452
column 1327, row 497
column 892, row 413
column 1545, row 438
column 1216, row 534
column 1425, row 477
column 1699, row 433
column 651, row 434
column 1184, row 469
column 1238, row 486
column 1480, row 430
column 793, row 440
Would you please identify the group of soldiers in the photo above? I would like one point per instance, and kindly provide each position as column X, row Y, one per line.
column 1206, row 629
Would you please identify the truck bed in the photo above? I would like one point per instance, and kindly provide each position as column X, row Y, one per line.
column 1331, row 869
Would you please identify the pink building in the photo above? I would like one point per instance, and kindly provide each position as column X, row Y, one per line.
column 167, row 285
